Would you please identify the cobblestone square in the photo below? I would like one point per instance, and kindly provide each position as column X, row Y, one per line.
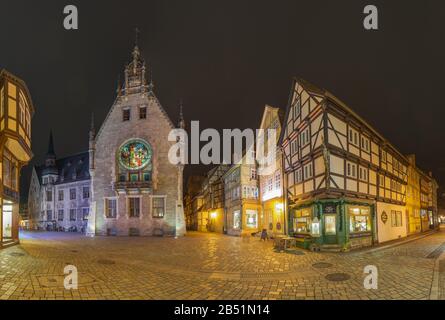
column 212, row 266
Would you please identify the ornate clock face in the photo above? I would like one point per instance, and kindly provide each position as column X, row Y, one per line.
column 135, row 154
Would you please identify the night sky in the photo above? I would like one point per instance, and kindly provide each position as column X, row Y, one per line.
column 227, row 59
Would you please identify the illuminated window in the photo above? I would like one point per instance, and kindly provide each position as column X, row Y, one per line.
column 359, row 219
column 302, row 221
column 237, row 220
column 252, row 218
column 158, row 206
column 330, row 224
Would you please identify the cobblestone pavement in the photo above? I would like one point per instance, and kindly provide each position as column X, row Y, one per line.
column 209, row 266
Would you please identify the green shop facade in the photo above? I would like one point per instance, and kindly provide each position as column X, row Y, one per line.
column 337, row 224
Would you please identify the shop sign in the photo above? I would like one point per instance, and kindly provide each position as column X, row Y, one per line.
column 330, row 208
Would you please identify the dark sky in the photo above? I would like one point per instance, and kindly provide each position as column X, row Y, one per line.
column 227, row 59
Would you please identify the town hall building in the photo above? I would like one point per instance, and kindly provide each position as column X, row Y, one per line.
column 136, row 191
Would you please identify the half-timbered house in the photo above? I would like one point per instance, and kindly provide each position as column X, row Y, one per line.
column 344, row 183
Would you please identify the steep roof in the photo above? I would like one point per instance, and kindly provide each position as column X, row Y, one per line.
column 70, row 169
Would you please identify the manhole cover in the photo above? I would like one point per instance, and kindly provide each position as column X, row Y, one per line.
column 16, row 254
column 105, row 261
column 322, row 265
column 338, row 277
column 52, row 280
column 74, row 251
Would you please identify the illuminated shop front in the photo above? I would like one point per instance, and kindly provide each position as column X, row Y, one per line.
column 16, row 111
column 339, row 223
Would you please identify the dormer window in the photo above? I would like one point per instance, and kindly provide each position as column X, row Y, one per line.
column 126, row 114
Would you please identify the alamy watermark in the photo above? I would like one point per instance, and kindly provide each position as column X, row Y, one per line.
column 251, row 147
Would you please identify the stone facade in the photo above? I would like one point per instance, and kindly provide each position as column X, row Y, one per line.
column 144, row 200
column 59, row 193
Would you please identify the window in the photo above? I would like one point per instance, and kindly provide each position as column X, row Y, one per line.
column 10, row 172
column 396, row 218
column 294, row 147
column 60, row 215
column 330, row 224
column 302, row 221
column 252, row 218
column 297, row 107
column 49, row 195
column 353, row 137
column 61, row 195
column 383, row 156
column 304, row 137
column 126, row 115
column 298, row 176
column 308, row 171
column 85, row 213
column 158, row 207
column 134, row 206
column 72, row 194
column 363, row 174
column 49, row 215
column 86, row 192
column 359, row 219
column 142, row 112
column 72, row 214
column 253, row 174
column 110, row 208
column 269, row 184
column 237, row 220
column 351, row 170
column 278, row 180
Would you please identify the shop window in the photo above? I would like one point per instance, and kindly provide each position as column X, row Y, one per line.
column 251, row 218
column 237, row 220
column 303, row 221
column 110, row 208
column 359, row 219
column 158, row 207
